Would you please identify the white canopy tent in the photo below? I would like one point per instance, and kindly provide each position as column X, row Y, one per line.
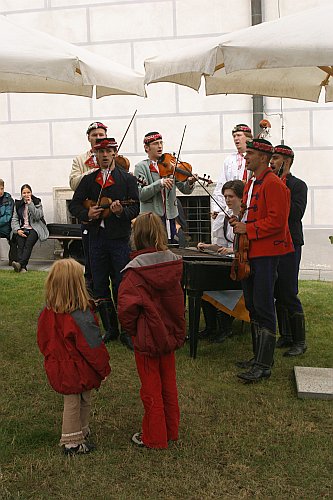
column 291, row 57
column 33, row 61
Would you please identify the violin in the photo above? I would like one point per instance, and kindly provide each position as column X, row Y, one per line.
column 166, row 166
column 105, row 203
column 240, row 268
column 122, row 162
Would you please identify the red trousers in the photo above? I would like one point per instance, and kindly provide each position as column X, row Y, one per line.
column 160, row 399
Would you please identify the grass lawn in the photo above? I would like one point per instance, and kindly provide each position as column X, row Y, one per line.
column 236, row 441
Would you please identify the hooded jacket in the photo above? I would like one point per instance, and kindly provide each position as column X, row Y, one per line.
column 76, row 359
column 35, row 214
column 151, row 302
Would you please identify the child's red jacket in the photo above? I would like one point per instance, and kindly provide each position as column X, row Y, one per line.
column 151, row 302
column 76, row 359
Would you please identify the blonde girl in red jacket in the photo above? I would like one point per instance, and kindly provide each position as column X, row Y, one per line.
column 76, row 359
column 151, row 309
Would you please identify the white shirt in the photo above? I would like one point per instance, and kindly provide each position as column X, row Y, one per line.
column 233, row 168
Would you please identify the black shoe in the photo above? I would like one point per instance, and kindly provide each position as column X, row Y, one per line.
column 296, row 350
column 17, row 266
column 109, row 319
column 284, row 342
column 221, row 337
column 255, row 374
column 245, row 364
column 206, row 334
column 126, row 340
column 80, row 449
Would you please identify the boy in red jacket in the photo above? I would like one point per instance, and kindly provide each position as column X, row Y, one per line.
column 76, row 359
column 151, row 309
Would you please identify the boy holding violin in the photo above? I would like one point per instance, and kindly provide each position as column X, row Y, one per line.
column 109, row 228
column 158, row 187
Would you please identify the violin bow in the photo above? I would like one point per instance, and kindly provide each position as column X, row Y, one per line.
column 202, row 184
column 180, row 148
column 113, row 159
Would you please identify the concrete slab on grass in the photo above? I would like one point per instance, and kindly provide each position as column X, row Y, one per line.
column 314, row 383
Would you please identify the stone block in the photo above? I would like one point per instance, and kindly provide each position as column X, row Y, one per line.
column 34, row 140
column 202, row 132
column 76, row 131
column 131, row 21
column 42, row 175
column 322, row 120
column 12, row 5
column 314, row 383
column 47, row 107
column 64, row 3
column 6, row 175
column 3, row 107
column 271, row 9
column 297, row 128
column 323, row 213
column 192, row 101
column 214, row 16
column 313, row 166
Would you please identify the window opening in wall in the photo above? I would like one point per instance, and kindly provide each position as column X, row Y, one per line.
column 197, row 216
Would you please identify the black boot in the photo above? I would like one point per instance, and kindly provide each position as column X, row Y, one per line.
column 264, row 359
column 209, row 312
column 224, row 324
column 297, row 323
column 109, row 319
column 254, row 333
column 285, row 339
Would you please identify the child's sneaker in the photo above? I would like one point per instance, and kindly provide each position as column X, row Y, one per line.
column 80, row 449
column 137, row 439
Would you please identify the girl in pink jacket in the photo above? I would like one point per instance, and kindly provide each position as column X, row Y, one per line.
column 151, row 309
column 76, row 359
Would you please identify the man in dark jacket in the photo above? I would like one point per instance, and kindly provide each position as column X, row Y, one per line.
column 6, row 214
column 289, row 309
column 109, row 229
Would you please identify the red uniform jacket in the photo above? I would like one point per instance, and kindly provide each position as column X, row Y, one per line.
column 151, row 302
column 267, row 217
column 76, row 359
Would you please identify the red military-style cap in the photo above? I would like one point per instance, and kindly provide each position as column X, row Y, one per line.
column 106, row 143
column 282, row 149
column 260, row 145
column 95, row 125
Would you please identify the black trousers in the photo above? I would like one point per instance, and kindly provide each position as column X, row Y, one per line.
column 25, row 246
column 286, row 286
column 259, row 291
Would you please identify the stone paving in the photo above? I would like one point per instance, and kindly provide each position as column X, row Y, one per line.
column 314, row 383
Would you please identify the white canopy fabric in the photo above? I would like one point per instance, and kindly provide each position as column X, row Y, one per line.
column 291, row 57
column 33, row 61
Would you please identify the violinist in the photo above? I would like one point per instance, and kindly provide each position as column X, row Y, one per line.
column 82, row 165
column 218, row 323
column 265, row 224
column 288, row 306
column 158, row 192
column 109, row 236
